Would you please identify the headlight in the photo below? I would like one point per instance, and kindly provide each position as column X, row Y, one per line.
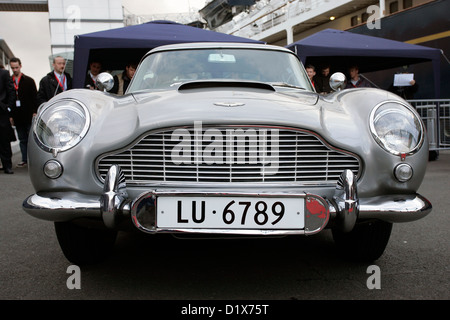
column 396, row 128
column 61, row 125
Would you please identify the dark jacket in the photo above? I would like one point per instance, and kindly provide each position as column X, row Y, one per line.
column 322, row 84
column 6, row 102
column 406, row 93
column 118, row 80
column 88, row 82
column 6, row 94
column 27, row 95
column 49, row 87
column 362, row 83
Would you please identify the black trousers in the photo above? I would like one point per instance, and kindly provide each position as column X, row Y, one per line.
column 5, row 143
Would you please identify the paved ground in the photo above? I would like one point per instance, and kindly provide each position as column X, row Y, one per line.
column 414, row 266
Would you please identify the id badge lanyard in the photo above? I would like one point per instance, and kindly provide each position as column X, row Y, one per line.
column 16, row 86
column 63, row 84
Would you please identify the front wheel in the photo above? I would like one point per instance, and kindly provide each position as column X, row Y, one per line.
column 366, row 242
column 83, row 245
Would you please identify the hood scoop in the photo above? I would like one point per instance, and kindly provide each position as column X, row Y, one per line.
column 225, row 84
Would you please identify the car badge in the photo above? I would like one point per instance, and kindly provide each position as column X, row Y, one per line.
column 229, row 104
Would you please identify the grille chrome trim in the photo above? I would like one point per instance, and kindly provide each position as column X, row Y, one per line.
column 304, row 159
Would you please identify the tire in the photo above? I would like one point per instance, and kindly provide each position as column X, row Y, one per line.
column 83, row 245
column 366, row 242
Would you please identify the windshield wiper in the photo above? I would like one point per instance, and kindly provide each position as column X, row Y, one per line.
column 286, row 85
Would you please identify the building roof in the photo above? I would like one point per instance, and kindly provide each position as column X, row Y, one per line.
column 24, row 5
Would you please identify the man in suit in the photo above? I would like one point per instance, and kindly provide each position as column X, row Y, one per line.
column 91, row 77
column 55, row 81
column 25, row 105
column 6, row 105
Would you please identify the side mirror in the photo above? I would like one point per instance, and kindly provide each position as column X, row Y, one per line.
column 105, row 81
column 337, row 81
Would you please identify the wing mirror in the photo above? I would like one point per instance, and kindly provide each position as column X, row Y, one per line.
column 105, row 81
column 337, row 81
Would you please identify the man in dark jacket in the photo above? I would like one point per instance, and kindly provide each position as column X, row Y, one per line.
column 322, row 81
column 122, row 80
column 356, row 81
column 406, row 92
column 25, row 106
column 6, row 104
column 54, row 82
column 91, row 77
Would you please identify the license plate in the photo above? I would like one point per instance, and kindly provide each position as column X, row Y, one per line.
column 230, row 212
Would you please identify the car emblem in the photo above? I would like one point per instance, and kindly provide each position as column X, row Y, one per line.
column 229, row 104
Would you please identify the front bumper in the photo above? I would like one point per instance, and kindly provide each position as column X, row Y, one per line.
column 344, row 209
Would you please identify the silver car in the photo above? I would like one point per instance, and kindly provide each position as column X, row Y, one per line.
column 226, row 139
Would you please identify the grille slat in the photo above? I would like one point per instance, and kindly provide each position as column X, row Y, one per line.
column 234, row 155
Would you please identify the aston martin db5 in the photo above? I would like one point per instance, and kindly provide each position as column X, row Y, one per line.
column 226, row 139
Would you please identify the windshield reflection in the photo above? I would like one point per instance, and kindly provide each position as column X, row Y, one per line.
column 168, row 69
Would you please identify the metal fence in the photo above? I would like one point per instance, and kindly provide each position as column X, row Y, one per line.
column 436, row 116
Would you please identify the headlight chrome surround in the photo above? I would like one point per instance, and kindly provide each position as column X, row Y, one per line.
column 396, row 127
column 61, row 125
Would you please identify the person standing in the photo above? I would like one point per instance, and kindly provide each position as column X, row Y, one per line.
column 356, row 81
column 25, row 106
column 122, row 80
column 6, row 105
column 406, row 92
column 322, row 83
column 91, row 78
column 311, row 72
column 55, row 81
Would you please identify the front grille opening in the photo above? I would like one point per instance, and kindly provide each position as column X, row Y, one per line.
column 230, row 155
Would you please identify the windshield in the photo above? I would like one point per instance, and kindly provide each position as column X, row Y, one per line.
column 166, row 69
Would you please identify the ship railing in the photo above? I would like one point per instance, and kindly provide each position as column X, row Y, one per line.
column 263, row 17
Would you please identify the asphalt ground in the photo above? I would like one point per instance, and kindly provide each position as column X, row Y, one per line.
column 415, row 265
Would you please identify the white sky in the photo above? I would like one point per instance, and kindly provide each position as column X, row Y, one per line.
column 27, row 34
column 159, row 6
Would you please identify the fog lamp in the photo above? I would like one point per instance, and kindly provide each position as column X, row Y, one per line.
column 403, row 172
column 53, row 169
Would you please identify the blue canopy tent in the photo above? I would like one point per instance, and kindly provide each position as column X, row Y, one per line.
column 342, row 49
column 115, row 47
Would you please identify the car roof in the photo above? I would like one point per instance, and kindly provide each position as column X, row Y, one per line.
column 217, row 45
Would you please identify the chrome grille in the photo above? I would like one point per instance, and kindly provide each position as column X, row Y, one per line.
column 230, row 154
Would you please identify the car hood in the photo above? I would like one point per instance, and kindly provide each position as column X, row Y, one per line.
column 223, row 106
column 340, row 118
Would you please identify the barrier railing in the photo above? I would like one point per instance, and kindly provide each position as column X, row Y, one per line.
column 436, row 116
